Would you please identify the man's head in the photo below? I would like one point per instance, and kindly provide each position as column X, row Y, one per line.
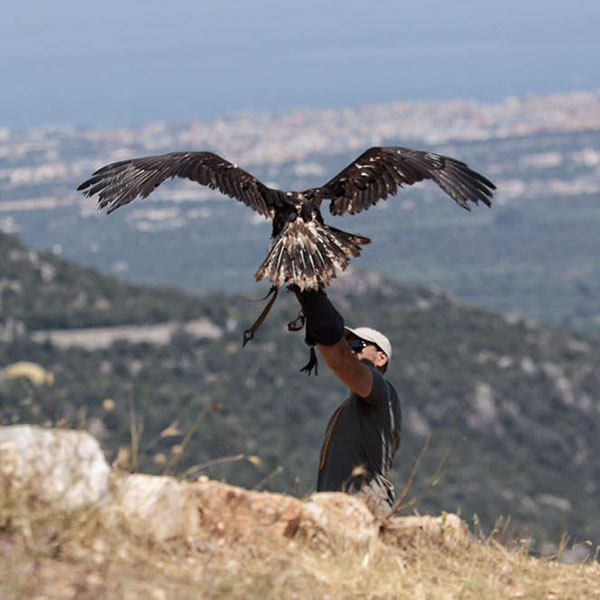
column 371, row 345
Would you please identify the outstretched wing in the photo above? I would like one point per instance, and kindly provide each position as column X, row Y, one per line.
column 379, row 172
column 121, row 182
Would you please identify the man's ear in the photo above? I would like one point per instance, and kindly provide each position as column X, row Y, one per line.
column 381, row 360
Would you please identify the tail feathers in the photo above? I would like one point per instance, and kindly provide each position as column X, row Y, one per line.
column 309, row 255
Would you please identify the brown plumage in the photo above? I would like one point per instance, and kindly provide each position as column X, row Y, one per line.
column 304, row 250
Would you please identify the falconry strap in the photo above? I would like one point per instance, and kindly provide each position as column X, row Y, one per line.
column 249, row 333
column 312, row 363
column 298, row 323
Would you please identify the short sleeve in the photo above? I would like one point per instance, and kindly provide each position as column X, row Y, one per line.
column 379, row 391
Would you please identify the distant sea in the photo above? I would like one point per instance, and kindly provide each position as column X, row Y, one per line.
column 133, row 87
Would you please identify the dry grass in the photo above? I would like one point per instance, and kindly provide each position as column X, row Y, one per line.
column 62, row 556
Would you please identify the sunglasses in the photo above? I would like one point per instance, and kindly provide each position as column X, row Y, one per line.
column 358, row 345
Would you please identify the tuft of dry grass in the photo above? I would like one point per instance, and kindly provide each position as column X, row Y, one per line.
column 45, row 554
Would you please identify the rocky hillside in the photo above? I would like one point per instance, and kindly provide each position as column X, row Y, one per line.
column 514, row 406
column 72, row 528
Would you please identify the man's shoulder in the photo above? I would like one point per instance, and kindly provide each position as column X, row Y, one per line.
column 380, row 387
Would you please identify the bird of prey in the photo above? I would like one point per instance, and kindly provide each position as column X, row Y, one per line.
column 304, row 251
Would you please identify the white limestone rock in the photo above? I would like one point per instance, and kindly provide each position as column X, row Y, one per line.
column 154, row 507
column 61, row 467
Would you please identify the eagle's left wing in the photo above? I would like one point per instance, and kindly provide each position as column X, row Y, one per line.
column 379, row 172
column 121, row 182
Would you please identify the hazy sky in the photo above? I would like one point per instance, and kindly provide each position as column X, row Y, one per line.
column 124, row 62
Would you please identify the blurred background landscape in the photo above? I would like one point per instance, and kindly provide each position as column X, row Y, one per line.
column 494, row 314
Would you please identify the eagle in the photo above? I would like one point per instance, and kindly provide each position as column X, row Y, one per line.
column 305, row 253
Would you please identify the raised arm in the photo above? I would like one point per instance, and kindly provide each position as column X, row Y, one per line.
column 356, row 375
column 325, row 328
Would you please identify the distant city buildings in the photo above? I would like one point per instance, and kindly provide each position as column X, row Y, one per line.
column 40, row 167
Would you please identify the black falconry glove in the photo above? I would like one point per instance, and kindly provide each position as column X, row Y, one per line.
column 324, row 324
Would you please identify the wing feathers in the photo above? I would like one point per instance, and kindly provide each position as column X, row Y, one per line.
column 375, row 175
column 379, row 172
column 121, row 182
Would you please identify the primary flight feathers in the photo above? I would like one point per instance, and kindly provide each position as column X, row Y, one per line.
column 304, row 250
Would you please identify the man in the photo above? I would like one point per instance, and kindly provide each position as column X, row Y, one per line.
column 364, row 432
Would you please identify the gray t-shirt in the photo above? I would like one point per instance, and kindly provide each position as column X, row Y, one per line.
column 361, row 438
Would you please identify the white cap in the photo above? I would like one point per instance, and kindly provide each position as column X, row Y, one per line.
column 374, row 336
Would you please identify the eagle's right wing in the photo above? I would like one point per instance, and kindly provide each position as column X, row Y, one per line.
column 380, row 172
column 121, row 182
